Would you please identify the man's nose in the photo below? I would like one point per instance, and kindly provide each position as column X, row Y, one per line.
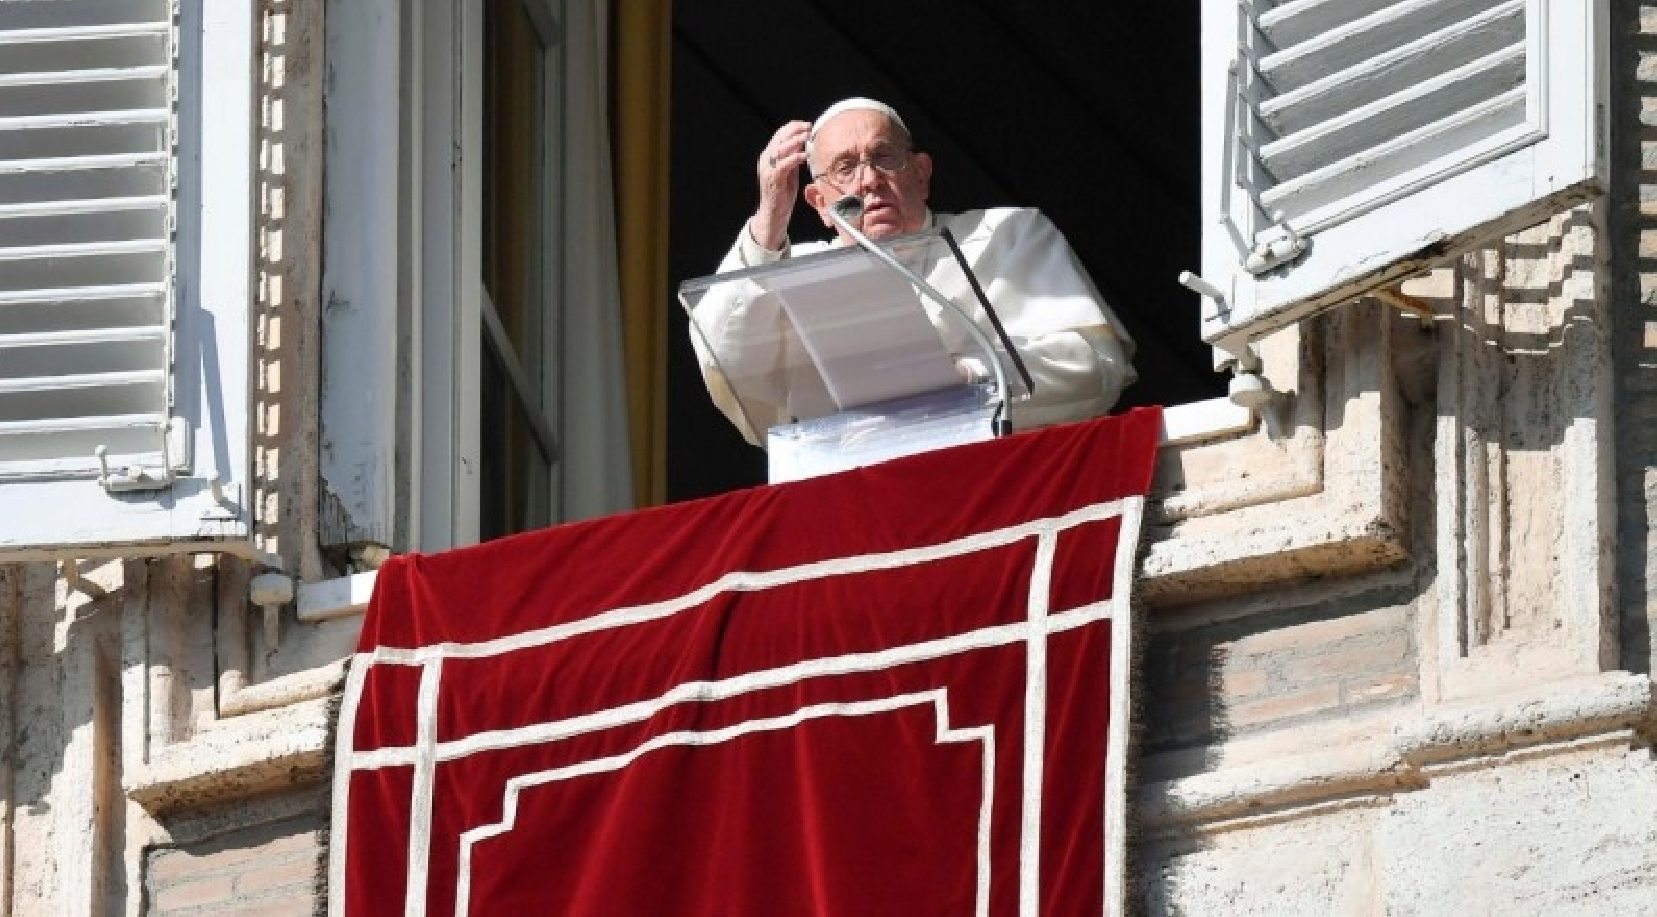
column 867, row 178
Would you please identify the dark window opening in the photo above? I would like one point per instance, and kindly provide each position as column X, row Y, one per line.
column 1088, row 111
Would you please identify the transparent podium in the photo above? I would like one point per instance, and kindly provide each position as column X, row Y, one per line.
column 837, row 359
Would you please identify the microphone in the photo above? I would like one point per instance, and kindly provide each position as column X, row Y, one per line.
column 847, row 212
column 849, row 208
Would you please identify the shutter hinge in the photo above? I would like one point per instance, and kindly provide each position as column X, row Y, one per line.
column 1274, row 246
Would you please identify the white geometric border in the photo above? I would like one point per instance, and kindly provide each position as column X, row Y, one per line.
column 426, row 753
column 937, row 698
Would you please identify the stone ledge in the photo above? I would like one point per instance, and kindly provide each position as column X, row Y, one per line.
column 238, row 757
column 1556, row 712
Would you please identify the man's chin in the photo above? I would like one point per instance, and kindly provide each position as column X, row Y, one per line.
column 882, row 228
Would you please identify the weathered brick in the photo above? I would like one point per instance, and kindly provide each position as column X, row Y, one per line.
column 1387, row 687
column 1237, row 681
column 1372, row 655
column 1305, row 636
column 198, row 861
column 202, row 892
column 295, row 907
column 300, row 871
column 1269, row 709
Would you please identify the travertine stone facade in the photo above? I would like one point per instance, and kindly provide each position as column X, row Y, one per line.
column 1400, row 645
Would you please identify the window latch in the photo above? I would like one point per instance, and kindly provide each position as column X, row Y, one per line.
column 134, row 477
column 138, row 478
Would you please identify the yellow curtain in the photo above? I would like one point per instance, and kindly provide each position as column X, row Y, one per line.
column 642, row 86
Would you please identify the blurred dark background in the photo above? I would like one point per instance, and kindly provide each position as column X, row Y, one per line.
column 1087, row 110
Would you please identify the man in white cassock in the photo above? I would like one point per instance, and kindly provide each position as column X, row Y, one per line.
column 1076, row 350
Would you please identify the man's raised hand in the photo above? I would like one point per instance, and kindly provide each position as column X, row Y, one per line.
column 779, row 183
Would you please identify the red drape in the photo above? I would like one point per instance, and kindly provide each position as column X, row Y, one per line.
column 884, row 692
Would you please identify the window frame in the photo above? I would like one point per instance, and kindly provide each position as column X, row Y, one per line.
column 402, row 258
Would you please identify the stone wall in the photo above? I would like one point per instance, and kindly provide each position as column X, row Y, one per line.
column 1566, row 832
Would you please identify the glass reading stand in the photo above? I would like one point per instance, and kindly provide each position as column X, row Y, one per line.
column 844, row 362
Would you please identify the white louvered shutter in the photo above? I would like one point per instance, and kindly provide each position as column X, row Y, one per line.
column 102, row 140
column 86, row 193
column 1348, row 142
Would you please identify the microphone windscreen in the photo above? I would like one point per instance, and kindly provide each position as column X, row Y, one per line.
column 850, row 208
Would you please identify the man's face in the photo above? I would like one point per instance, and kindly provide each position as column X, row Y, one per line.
column 862, row 152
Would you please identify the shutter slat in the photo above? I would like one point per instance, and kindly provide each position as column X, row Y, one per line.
column 1448, row 137
column 96, row 75
column 84, row 249
column 140, row 179
column 95, row 205
column 82, row 163
column 87, row 119
column 132, row 49
column 58, row 14
column 81, row 294
column 140, row 333
column 1369, row 126
column 83, row 225
column 72, row 381
column 71, row 97
column 1498, row 27
column 1292, row 23
column 1362, row 39
column 82, row 424
column 84, row 33
column 37, row 148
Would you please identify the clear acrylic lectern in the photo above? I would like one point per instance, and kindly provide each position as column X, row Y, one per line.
column 836, row 360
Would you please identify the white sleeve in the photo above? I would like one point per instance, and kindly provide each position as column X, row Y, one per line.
column 1076, row 350
column 729, row 320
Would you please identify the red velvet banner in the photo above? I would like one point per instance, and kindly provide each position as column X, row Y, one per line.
column 896, row 691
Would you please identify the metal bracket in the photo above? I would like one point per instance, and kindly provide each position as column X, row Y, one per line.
column 1275, row 246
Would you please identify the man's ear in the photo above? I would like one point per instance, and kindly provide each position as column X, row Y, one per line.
column 814, row 197
column 923, row 169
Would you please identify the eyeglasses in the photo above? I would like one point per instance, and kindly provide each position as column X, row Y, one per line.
column 885, row 160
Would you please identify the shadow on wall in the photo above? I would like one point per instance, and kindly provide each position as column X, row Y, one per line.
column 1633, row 245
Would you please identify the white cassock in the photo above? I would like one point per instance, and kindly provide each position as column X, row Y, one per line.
column 1074, row 346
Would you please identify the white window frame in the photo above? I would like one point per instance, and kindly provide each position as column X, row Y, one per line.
column 402, row 372
column 206, row 505
column 401, row 286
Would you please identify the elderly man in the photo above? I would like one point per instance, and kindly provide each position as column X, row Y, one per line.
column 1075, row 348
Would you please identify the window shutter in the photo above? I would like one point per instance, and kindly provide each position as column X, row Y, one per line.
column 100, row 304
column 1347, row 143
column 85, row 201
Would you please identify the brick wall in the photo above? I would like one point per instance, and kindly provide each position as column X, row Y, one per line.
column 1229, row 678
column 272, row 870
